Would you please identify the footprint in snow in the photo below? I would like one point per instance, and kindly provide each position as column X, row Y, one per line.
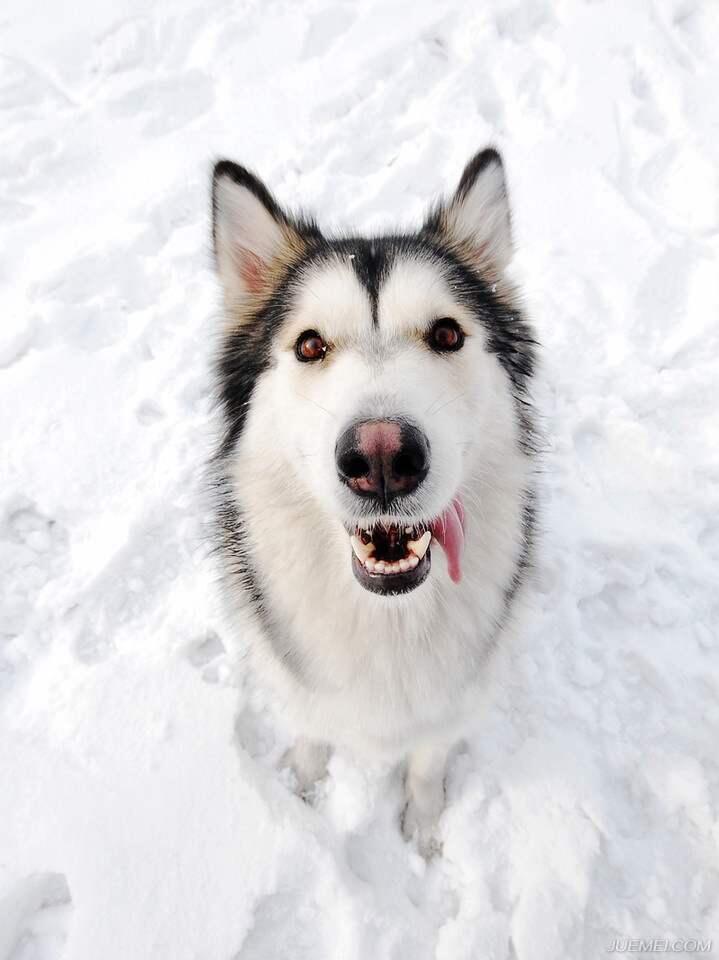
column 34, row 918
column 32, row 551
column 205, row 653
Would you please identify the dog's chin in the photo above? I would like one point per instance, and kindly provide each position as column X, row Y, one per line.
column 392, row 584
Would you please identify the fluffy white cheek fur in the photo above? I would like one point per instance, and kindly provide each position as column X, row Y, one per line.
column 453, row 399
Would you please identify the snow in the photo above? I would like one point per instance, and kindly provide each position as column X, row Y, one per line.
column 142, row 814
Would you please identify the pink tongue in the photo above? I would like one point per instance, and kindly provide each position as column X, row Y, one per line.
column 449, row 532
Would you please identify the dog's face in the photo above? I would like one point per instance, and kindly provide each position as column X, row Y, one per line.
column 376, row 371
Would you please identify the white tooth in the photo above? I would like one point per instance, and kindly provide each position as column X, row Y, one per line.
column 404, row 565
column 380, row 566
column 413, row 561
column 419, row 547
column 408, row 529
column 370, row 565
column 362, row 550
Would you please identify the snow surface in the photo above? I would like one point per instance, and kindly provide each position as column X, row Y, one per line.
column 141, row 812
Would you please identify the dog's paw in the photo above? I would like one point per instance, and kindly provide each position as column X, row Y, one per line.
column 421, row 827
column 424, row 793
column 306, row 762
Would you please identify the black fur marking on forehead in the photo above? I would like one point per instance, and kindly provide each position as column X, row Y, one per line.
column 370, row 260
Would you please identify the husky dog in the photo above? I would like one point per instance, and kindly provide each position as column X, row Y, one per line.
column 375, row 473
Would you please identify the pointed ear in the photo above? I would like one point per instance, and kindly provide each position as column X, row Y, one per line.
column 476, row 221
column 252, row 236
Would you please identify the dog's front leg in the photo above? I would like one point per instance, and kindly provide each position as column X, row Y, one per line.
column 308, row 761
column 424, row 794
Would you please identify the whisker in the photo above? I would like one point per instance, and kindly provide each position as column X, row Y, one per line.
column 318, row 405
column 436, row 400
column 453, row 400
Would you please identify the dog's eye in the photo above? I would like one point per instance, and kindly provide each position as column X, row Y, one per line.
column 445, row 335
column 310, row 346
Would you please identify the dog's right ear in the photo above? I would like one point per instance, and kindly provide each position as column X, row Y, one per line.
column 252, row 236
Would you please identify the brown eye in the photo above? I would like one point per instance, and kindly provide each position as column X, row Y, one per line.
column 310, row 346
column 446, row 335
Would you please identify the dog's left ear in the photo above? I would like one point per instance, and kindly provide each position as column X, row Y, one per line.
column 476, row 221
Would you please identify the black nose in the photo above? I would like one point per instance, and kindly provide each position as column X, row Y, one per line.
column 383, row 459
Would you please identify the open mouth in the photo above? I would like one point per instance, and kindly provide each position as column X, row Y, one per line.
column 391, row 559
column 395, row 558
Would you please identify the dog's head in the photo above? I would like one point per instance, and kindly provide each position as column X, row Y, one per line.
column 374, row 377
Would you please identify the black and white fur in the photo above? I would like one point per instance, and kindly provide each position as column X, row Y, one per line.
column 388, row 674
